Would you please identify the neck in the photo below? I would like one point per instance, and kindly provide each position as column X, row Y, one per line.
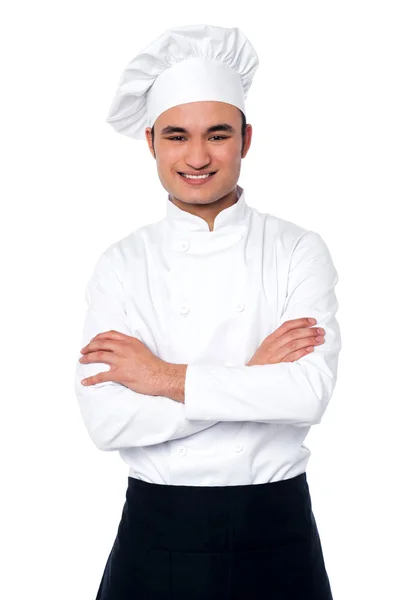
column 210, row 210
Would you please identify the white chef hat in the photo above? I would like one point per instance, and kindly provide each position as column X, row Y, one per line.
column 184, row 64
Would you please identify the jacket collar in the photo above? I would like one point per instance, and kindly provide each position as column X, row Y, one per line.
column 185, row 222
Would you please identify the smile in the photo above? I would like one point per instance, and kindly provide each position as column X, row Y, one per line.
column 196, row 179
column 195, row 176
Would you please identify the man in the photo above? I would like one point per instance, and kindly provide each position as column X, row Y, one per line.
column 202, row 367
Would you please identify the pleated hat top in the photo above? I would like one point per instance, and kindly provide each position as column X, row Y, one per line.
column 185, row 64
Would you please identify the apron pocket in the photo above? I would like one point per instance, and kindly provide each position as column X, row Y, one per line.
column 157, row 572
column 199, row 575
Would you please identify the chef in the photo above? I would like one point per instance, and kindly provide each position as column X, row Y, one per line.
column 210, row 347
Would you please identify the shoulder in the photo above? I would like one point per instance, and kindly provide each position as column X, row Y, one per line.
column 283, row 232
column 289, row 240
column 120, row 254
column 282, row 228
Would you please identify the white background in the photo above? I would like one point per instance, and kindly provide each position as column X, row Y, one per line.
column 324, row 110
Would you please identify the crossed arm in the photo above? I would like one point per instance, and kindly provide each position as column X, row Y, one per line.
column 295, row 393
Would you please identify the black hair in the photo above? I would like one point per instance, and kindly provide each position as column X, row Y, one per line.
column 243, row 131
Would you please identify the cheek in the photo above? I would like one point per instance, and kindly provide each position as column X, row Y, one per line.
column 226, row 152
column 228, row 159
column 167, row 161
column 165, row 165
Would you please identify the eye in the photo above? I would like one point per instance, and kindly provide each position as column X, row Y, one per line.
column 221, row 137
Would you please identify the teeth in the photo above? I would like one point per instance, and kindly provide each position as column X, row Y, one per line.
column 196, row 176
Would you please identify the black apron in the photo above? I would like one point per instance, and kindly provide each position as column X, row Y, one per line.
column 241, row 542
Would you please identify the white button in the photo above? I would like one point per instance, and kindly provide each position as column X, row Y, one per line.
column 240, row 306
column 184, row 245
column 238, row 447
column 182, row 450
column 184, row 309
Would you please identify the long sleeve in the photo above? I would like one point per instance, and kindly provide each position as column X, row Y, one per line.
column 295, row 393
column 115, row 416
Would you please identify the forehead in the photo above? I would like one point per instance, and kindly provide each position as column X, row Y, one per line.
column 199, row 115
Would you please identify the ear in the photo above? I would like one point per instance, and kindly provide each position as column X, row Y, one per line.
column 149, row 140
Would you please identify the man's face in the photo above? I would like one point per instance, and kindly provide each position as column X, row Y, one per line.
column 199, row 151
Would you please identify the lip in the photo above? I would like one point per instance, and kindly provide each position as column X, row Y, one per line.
column 196, row 181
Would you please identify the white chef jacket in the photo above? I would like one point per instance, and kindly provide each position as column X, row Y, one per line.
column 208, row 299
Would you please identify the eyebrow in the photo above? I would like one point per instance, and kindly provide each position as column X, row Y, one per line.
column 219, row 127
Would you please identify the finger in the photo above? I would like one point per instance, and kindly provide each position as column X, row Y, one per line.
column 293, row 356
column 102, row 356
column 99, row 378
column 302, row 342
column 292, row 324
column 110, row 345
column 111, row 335
column 296, row 334
column 295, row 345
column 293, row 340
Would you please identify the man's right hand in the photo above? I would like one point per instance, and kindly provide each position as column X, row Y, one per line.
column 292, row 340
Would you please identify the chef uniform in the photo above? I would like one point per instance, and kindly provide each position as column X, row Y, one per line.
column 217, row 503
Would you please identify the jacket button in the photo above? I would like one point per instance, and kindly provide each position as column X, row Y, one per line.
column 240, row 306
column 182, row 450
column 184, row 309
column 238, row 447
column 184, row 245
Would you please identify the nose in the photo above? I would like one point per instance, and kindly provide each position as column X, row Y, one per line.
column 197, row 155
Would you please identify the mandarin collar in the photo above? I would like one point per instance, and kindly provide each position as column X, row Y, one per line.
column 184, row 222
